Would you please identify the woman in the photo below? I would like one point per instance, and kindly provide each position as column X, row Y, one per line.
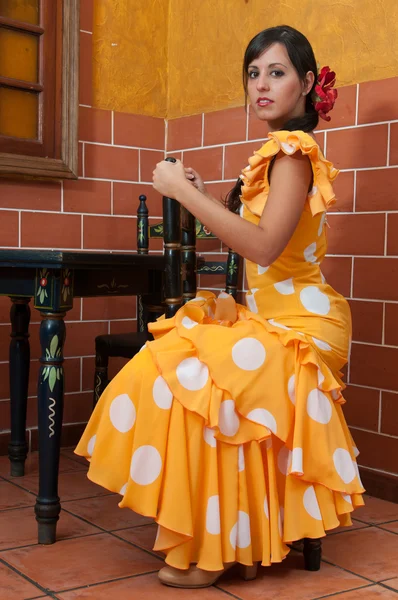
column 228, row 428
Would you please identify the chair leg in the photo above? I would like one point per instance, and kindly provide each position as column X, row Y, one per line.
column 100, row 375
column 312, row 554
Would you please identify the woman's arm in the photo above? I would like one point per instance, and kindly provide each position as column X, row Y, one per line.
column 262, row 243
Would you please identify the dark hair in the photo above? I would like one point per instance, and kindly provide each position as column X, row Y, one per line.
column 303, row 60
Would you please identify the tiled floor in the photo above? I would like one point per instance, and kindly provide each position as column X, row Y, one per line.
column 104, row 551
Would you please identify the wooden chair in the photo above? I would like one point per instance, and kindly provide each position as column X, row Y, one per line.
column 179, row 230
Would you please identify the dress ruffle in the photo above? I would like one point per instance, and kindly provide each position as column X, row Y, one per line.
column 255, row 176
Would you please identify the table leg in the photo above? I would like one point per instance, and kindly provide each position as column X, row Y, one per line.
column 50, row 405
column 19, row 379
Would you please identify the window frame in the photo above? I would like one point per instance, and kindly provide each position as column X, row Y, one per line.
column 64, row 116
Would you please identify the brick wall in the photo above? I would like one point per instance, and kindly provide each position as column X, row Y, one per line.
column 97, row 212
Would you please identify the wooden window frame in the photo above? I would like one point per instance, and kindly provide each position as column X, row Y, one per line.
column 65, row 117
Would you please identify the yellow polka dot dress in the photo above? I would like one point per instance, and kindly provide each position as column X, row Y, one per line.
column 228, row 428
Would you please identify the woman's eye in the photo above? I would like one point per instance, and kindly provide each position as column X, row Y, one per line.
column 277, row 73
column 253, row 74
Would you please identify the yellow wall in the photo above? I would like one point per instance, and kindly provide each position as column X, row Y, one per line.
column 191, row 61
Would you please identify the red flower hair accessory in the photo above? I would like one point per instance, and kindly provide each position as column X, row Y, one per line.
column 324, row 96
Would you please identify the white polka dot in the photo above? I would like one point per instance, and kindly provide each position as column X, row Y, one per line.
column 228, row 420
column 261, row 270
column 356, row 469
column 240, row 532
column 248, row 354
column 254, row 290
column 335, row 394
column 263, row 417
column 344, row 465
column 355, row 450
column 192, row 374
column 311, row 505
column 309, row 253
column 284, row 460
column 161, row 393
column 313, row 191
column 251, row 303
column 314, row 300
column 321, row 223
column 213, row 524
column 288, row 148
column 209, row 438
column 276, row 324
column 266, row 509
column 188, row 323
column 321, row 377
column 285, row 288
column 122, row 413
column 223, row 295
column 281, row 518
column 347, row 498
column 198, row 299
column 91, row 444
column 291, row 389
column 241, row 209
column 241, row 459
column 123, row 490
column 322, row 345
column 319, row 407
column 146, row 465
column 142, row 348
column 323, row 277
column 297, row 460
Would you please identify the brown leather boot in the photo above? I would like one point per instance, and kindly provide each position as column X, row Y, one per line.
column 198, row 578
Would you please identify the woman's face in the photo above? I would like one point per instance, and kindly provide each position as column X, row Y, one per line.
column 275, row 91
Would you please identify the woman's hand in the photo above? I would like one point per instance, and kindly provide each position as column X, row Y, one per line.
column 169, row 178
column 195, row 179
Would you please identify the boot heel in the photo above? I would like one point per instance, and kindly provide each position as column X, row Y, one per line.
column 312, row 554
column 248, row 572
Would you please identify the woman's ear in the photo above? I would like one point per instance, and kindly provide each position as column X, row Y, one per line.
column 308, row 83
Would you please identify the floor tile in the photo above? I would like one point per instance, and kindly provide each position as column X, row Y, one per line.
column 81, row 561
column 69, row 453
column 376, row 511
column 71, row 486
column 32, row 465
column 288, row 580
column 17, row 587
column 105, row 512
column 141, row 536
column 370, row 552
column 390, row 526
column 142, row 588
column 374, row 592
column 12, row 496
column 19, row 528
column 392, row 583
column 355, row 525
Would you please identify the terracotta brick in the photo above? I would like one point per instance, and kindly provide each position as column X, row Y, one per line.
column 377, row 190
column 391, row 324
column 86, row 15
column 126, row 202
column 30, row 194
column 185, row 132
column 376, row 451
column 207, row 162
column 5, row 439
column 374, row 366
column 148, row 162
column 394, row 144
column 320, row 139
column 95, row 125
column 88, row 373
column 356, row 234
column 337, row 271
column 210, row 245
column 224, row 126
column 376, row 278
column 5, row 306
column 4, row 415
column 177, row 155
column 9, row 228
column 377, row 101
column 78, row 407
column 343, row 113
column 358, row 148
column 87, row 196
column 71, row 315
column 389, row 413
column 123, row 326
column 236, row 158
column 86, row 69
column 45, row 230
column 110, row 233
column 220, row 189
column 109, row 162
column 362, row 407
column 103, row 308
column 139, row 131
column 392, row 234
column 80, row 337
column 80, row 170
column 257, row 130
column 344, row 190
column 367, row 321
column 115, row 365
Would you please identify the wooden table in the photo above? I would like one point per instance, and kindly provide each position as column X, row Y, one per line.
column 53, row 279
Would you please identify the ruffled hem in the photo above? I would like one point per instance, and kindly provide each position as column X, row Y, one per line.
column 255, row 177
